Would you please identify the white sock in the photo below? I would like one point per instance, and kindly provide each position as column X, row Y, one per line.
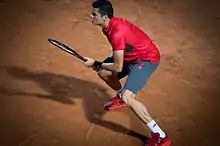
column 155, row 128
column 118, row 92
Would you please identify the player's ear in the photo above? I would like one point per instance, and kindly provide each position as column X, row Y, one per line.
column 105, row 17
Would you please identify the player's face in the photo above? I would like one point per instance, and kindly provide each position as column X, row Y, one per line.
column 96, row 17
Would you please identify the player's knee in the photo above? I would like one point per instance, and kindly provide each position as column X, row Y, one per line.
column 128, row 97
column 103, row 75
column 127, row 100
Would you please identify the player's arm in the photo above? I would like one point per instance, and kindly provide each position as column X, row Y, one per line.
column 117, row 40
column 117, row 65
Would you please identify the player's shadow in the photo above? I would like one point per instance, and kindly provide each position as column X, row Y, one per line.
column 64, row 89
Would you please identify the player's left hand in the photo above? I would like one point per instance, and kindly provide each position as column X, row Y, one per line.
column 89, row 63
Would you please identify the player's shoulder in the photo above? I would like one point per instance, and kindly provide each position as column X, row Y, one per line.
column 118, row 21
column 118, row 24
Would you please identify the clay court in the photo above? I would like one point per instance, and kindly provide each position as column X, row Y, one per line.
column 49, row 98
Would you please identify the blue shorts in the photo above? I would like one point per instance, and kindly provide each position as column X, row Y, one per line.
column 138, row 73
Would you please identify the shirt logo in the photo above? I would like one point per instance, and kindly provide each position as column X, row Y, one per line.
column 128, row 48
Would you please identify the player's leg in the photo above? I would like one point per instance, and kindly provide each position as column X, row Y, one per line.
column 109, row 77
column 112, row 79
column 136, row 80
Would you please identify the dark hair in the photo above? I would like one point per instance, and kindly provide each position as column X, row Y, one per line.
column 105, row 7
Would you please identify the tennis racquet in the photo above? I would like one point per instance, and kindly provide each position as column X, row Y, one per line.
column 66, row 49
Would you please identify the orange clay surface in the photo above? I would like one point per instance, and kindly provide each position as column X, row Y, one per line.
column 49, row 98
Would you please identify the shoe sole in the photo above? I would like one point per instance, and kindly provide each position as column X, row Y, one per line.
column 112, row 108
column 167, row 144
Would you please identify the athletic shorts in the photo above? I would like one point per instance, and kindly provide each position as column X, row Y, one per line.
column 137, row 72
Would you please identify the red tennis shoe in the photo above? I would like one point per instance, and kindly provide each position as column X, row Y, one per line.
column 114, row 103
column 156, row 140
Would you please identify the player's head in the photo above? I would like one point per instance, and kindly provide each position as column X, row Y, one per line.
column 101, row 12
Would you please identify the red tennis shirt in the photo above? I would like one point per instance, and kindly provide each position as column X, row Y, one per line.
column 124, row 35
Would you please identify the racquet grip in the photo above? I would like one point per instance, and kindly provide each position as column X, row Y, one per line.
column 98, row 64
